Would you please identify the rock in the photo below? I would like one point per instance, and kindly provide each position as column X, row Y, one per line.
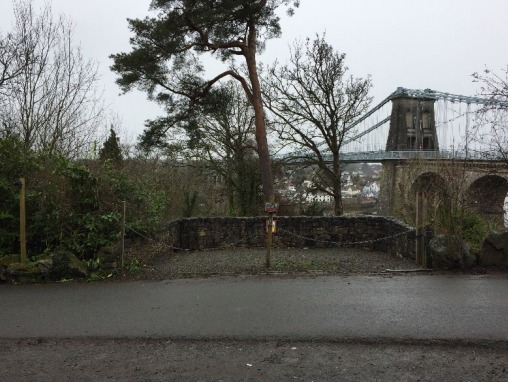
column 494, row 251
column 26, row 272
column 110, row 266
column 450, row 252
column 5, row 261
column 44, row 265
column 66, row 264
column 58, row 265
column 109, row 254
column 9, row 259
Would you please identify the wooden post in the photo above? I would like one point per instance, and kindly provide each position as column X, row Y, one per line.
column 424, row 232
column 22, row 219
column 421, row 259
column 269, row 236
column 123, row 235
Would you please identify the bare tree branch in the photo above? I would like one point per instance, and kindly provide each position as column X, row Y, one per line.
column 313, row 102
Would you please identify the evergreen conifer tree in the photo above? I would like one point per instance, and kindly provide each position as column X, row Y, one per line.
column 111, row 149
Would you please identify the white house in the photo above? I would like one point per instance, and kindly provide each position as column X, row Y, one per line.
column 371, row 190
column 350, row 192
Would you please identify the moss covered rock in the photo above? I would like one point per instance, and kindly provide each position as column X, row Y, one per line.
column 55, row 266
column 25, row 272
column 65, row 264
column 5, row 261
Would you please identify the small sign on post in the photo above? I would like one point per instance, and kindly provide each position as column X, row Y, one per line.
column 271, row 208
column 274, row 226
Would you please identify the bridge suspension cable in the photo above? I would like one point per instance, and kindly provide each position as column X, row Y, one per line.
column 434, row 94
column 428, row 94
column 461, row 130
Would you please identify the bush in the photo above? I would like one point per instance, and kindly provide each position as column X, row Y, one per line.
column 474, row 230
column 72, row 205
column 16, row 162
column 470, row 226
column 313, row 209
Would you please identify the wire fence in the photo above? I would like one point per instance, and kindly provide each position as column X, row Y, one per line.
column 345, row 243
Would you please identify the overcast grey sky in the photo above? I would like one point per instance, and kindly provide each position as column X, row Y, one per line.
column 433, row 44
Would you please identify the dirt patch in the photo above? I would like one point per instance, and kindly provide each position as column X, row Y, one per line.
column 162, row 360
column 155, row 262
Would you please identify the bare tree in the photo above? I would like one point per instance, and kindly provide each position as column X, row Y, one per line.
column 52, row 103
column 492, row 119
column 11, row 59
column 313, row 102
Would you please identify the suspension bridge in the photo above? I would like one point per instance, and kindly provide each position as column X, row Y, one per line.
column 443, row 131
column 429, row 124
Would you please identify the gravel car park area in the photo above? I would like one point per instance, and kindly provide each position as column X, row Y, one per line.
column 158, row 263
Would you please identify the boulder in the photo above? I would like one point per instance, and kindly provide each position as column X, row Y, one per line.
column 58, row 265
column 494, row 251
column 5, row 261
column 109, row 256
column 26, row 272
column 9, row 259
column 450, row 252
column 66, row 264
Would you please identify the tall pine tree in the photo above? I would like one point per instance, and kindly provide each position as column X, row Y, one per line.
column 111, row 149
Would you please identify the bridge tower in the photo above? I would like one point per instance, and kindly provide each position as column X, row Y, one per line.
column 412, row 128
column 412, row 124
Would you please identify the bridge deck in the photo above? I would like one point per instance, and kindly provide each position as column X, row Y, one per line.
column 382, row 156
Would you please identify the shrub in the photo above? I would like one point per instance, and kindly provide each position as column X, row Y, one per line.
column 72, row 205
column 467, row 224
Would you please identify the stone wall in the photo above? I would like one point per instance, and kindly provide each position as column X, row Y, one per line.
column 369, row 232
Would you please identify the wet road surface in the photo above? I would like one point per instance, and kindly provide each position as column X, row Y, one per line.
column 420, row 307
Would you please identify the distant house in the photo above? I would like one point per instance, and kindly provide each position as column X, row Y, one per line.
column 308, row 184
column 371, row 190
column 318, row 196
column 350, row 192
column 346, row 179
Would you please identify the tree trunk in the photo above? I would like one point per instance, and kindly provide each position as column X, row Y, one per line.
column 265, row 164
column 337, row 184
column 339, row 208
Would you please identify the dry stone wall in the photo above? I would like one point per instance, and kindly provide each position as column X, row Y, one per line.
column 377, row 233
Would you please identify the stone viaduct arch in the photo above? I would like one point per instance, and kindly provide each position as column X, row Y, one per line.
column 486, row 195
column 481, row 187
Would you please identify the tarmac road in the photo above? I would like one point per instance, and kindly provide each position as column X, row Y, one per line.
column 420, row 307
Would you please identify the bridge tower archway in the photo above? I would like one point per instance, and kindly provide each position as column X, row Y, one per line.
column 486, row 196
column 437, row 194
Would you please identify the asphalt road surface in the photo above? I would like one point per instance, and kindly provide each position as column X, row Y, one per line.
column 421, row 307
column 359, row 328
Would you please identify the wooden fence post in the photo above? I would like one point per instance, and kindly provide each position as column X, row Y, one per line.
column 22, row 219
column 421, row 258
column 123, row 235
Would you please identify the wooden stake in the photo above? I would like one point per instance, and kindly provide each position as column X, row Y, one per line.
column 123, row 235
column 22, row 220
column 420, row 229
